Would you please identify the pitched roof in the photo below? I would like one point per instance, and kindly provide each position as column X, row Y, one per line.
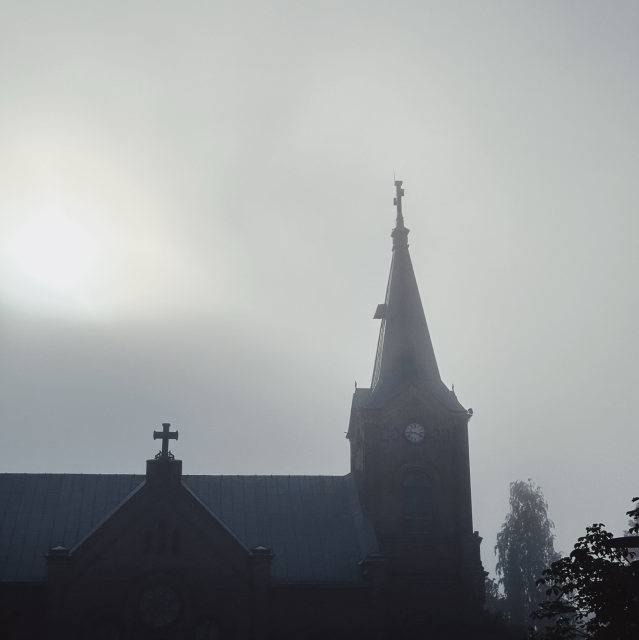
column 41, row 511
column 314, row 525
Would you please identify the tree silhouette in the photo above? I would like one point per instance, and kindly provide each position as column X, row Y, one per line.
column 524, row 549
column 590, row 593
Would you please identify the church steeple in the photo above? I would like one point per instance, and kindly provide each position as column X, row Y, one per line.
column 408, row 438
column 404, row 352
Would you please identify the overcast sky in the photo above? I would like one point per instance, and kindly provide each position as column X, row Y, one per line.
column 195, row 208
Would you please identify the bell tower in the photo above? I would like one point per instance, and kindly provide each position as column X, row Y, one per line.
column 409, row 449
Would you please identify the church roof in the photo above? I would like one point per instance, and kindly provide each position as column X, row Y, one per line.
column 405, row 352
column 314, row 525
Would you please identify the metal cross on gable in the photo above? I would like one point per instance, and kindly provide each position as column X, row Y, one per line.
column 165, row 435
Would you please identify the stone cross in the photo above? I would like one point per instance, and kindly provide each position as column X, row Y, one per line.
column 165, row 435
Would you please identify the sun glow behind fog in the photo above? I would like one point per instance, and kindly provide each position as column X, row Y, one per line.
column 52, row 262
column 86, row 234
column 54, row 250
column 101, row 269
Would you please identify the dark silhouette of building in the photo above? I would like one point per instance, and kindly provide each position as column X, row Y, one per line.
column 387, row 551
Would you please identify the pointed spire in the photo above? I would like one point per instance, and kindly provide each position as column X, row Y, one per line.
column 404, row 351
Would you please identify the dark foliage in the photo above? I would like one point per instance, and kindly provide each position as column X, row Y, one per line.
column 633, row 523
column 591, row 592
column 524, row 549
column 495, row 600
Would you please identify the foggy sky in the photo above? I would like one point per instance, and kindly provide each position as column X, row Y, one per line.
column 219, row 178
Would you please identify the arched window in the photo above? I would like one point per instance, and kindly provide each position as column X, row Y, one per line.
column 417, row 502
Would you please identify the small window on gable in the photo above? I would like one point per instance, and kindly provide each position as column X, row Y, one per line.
column 175, row 542
column 417, row 502
column 161, row 544
column 106, row 629
column 207, row 629
column 316, row 633
column 148, row 541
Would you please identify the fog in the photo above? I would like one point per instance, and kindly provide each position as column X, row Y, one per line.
column 195, row 210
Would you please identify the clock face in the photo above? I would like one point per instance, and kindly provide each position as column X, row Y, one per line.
column 415, row 433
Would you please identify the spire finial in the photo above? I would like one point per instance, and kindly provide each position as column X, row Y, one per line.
column 400, row 232
column 397, row 201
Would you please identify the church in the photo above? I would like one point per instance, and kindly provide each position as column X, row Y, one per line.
column 387, row 551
